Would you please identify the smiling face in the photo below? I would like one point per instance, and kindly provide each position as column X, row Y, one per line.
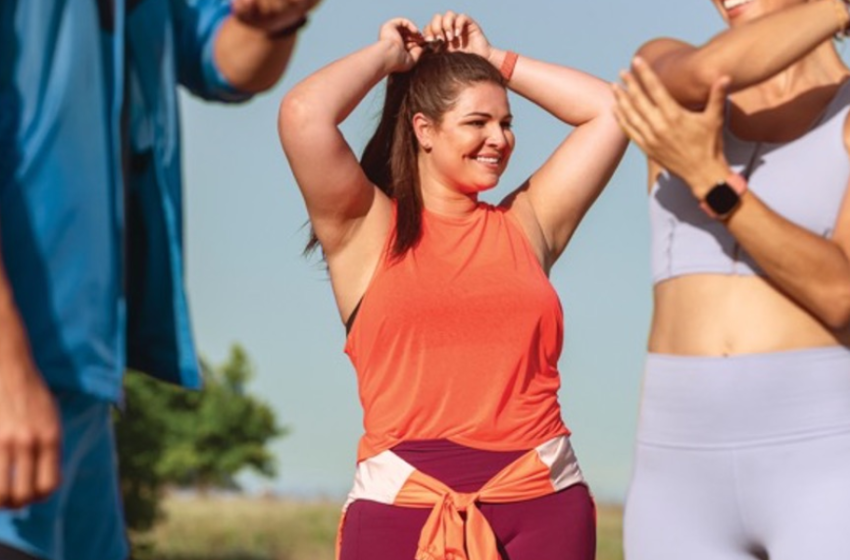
column 736, row 12
column 468, row 149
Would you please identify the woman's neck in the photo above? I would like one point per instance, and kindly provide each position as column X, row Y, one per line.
column 446, row 200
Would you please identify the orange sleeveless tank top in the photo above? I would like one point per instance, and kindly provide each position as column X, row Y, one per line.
column 460, row 340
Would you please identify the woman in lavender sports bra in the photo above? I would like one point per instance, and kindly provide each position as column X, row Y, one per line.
column 743, row 447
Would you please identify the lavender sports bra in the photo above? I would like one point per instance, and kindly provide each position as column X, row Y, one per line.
column 803, row 180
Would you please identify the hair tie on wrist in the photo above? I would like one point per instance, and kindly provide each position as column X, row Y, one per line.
column 508, row 64
column 289, row 30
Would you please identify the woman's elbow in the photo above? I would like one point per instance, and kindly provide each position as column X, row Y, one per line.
column 836, row 309
column 294, row 113
column 686, row 72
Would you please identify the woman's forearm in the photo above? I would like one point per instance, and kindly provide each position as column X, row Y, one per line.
column 748, row 53
column 335, row 90
column 251, row 59
column 811, row 269
column 570, row 95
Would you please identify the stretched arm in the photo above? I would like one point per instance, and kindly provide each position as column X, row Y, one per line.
column 255, row 43
column 748, row 53
column 29, row 424
column 556, row 197
column 335, row 188
column 350, row 216
column 810, row 269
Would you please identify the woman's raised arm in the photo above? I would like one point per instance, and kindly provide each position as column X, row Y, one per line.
column 771, row 43
column 552, row 202
column 336, row 191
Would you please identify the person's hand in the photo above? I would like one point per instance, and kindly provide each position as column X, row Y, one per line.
column 686, row 143
column 460, row 33
column 405, row 36
column 271, row 15
column 30, row 433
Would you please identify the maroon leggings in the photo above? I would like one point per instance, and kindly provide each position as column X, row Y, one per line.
column 560, row 526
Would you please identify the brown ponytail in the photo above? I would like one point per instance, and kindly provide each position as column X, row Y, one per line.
column 390, row 157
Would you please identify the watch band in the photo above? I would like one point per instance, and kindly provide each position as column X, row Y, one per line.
column 738, row 185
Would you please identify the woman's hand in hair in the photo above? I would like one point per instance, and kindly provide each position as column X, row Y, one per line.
column 403, row 34
column 459, row 32
column 686, row 143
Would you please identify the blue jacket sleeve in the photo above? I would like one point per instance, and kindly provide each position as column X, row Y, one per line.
column 196, row 25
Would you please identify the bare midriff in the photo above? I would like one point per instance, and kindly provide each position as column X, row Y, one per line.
column 723, row 315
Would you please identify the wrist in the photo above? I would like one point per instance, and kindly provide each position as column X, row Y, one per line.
column 289, row 30
column 392, row 54
column 704, row 178
column 13, row 343
column 504, row 61
column 496, row 57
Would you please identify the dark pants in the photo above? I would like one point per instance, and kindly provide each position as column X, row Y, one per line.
column 560, row 526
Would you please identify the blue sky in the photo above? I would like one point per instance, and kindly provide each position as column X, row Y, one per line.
column 248, row 282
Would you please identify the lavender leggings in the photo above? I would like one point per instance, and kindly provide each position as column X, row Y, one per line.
column 742, row 458
column 560, row 526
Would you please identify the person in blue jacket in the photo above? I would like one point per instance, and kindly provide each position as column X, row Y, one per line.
column 91, row 259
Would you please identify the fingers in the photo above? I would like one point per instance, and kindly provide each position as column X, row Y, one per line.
column 30, row 451
column 17, row 478
column 653, row 87
column 406, row 28
column 48, row 469
column 5, row 474
column 645, row 109
column 23, row 478
column 638, row 100
column 404, row 35
column 629, row 118
column 441, row 27
column 716, row 105
column 447, row 27
column 401, row 28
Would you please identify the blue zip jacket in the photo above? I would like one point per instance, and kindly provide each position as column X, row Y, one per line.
column 90, row 181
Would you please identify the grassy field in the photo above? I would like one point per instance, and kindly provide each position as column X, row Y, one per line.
column 277, row 529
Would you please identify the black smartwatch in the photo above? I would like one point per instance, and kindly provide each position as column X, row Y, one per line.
column 725, row 197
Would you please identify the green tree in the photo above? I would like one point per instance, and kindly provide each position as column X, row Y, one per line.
column 200, row 439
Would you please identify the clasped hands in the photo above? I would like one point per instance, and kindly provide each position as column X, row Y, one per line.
column 458, row 32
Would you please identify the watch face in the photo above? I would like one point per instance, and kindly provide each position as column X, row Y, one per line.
column 722, row 199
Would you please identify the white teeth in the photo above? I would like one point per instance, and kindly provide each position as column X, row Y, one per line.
column 730, row 4
column 488, row 159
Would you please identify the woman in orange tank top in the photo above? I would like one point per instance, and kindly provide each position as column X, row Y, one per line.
column 453, row 327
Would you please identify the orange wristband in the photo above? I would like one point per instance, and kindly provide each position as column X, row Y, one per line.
column 508, row 64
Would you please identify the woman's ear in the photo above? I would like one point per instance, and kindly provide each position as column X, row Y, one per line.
column 423, row 128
